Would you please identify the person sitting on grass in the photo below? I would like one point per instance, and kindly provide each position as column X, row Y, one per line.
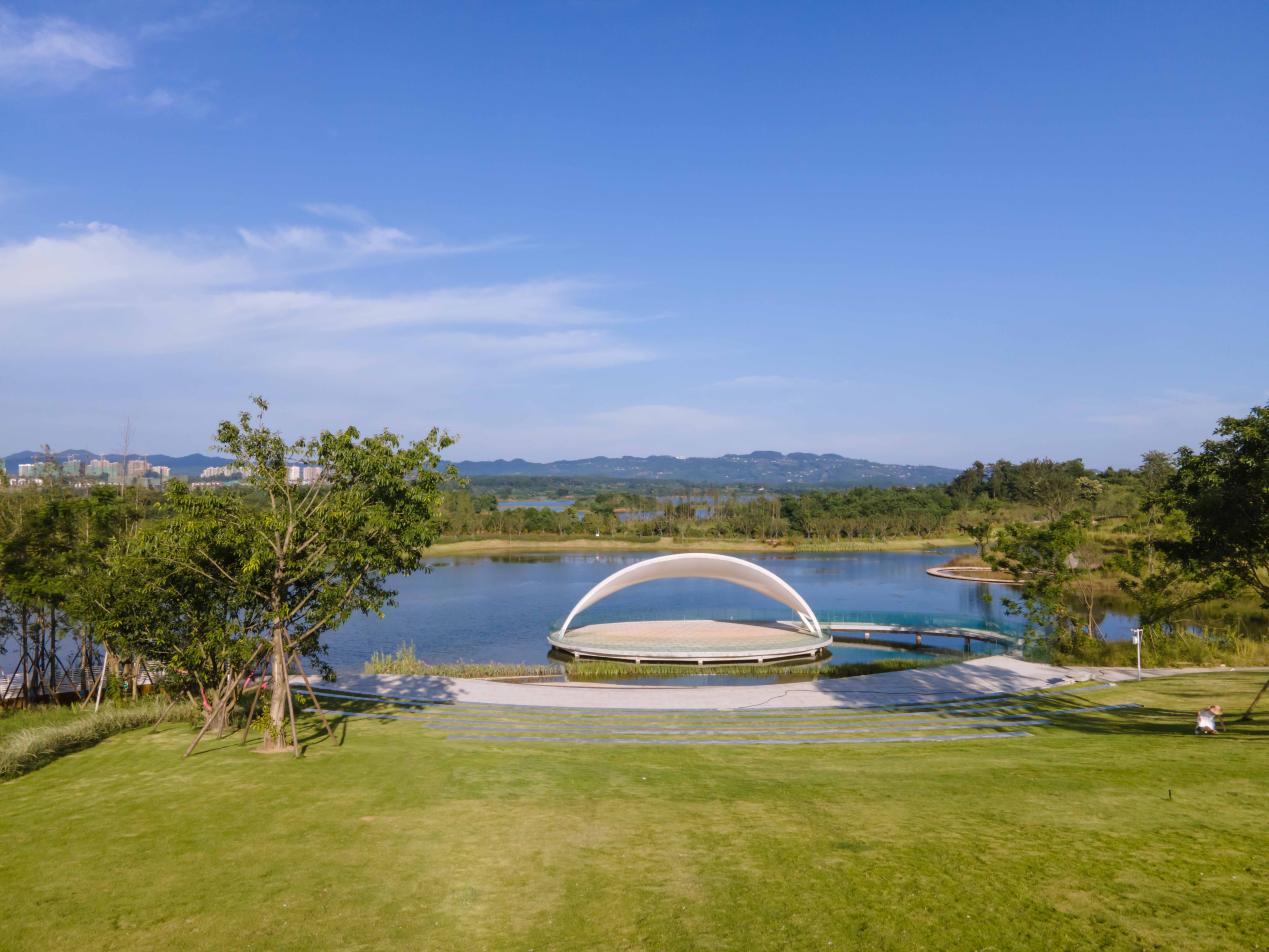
column 1208, row 719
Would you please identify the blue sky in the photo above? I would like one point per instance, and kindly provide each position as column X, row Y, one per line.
column 914, row 232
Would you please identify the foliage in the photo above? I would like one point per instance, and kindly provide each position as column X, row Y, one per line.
column 50, row 540
column 144, row 604
column 311, row 555
column 1223, row 493
column 868, row 511
column 1051, row 562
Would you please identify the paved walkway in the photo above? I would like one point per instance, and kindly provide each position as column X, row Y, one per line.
column 971, row 679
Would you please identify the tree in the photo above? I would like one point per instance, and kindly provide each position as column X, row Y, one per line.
column 144, row 605
column 313, row 553
column 38, row 542
column 1052, row 562
column 1223, row 492
column 980, row 532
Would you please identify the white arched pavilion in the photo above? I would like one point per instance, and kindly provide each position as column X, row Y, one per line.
column 702, row 640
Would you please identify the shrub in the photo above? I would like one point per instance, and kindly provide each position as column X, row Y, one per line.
column 31, row 747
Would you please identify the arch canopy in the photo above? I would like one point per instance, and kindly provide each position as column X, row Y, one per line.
column 724, row 568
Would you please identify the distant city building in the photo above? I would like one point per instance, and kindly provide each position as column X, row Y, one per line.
column 137, row 467
column 303, row 475
column 28, row 469
column 164, row 472
column 222, row 472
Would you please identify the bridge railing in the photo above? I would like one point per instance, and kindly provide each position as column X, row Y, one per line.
column 915, row 621
column 924, row 620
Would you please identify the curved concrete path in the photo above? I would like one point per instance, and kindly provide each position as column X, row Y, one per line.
column 969, row 679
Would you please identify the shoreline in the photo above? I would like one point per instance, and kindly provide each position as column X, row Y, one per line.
column 668, row 544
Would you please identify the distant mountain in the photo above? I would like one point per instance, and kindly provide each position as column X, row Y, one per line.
column 763, row 468
column 190, row 465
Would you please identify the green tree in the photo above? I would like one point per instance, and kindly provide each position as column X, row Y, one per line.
column 145, row 605
column 980, row 532
column 1223, row 493
column 312, row 554
column 1052, row 563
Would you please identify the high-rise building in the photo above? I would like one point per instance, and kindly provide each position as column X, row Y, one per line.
column 311, row 474
column 293, row 474
column 137, row 467
column 28, row 469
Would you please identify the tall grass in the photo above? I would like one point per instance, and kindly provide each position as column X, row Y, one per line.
column 1175, row 649
column 52, row 732
column 405, row 660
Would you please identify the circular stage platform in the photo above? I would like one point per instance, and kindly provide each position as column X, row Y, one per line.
column 692, row 641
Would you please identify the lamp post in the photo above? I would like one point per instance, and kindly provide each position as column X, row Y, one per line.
column 1136, row 640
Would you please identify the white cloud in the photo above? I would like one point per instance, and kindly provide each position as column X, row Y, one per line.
column 178, row 26
column 364, row 238
column 193, row 103
column 56, row 51
column 103, row 265
column 345, row 213
column 100, row 290
column 761, row 382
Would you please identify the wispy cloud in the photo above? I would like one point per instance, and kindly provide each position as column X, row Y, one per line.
column 362, row 238
column 59, row 54
column 188, row 23
column 194, row 103
column 101, row 289
column 761, row 382
column 56, row 51
column 350, row 214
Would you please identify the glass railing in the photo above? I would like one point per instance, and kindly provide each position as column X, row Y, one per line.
column 916, row 621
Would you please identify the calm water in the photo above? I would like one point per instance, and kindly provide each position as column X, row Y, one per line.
column 500, row 608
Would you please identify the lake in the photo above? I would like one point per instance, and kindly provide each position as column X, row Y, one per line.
column 500, row 607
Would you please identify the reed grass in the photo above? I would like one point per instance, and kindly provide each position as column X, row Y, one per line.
column 51, row 732
column 405, row 660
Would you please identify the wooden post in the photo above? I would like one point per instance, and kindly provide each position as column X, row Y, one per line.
column 312, row 695
column 290, row 709
column 1247, row 714
column 251, row 712
column 207, row 720
column 101, row 682
column 163, row 716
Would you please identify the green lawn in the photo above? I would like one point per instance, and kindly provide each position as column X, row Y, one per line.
column 1067, row 839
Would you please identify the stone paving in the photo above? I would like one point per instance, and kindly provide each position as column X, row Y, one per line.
column 970, row 679
column 914, row 717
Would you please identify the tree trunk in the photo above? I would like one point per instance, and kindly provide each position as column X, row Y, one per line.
column 275, row 737
column 219, row 720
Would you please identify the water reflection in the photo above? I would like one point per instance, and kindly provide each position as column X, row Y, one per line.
column 499, row 607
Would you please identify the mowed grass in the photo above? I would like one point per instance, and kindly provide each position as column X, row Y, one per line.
column 1118, row 830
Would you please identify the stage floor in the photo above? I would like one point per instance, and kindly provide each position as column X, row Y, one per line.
column 694, row 640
